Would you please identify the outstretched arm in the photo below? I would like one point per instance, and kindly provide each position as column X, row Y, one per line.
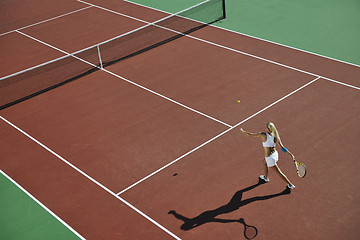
column 285, row 150
column 250, row 134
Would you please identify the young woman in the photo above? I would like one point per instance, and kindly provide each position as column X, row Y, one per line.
column 269, row 141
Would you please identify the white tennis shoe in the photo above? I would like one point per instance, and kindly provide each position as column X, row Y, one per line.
column 263, row 178
column 291, row 186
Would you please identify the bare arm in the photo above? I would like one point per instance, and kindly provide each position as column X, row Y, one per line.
column 251, row 134
column 287, row 151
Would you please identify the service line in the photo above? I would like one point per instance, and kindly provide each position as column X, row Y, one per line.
column 224, row 47
column 219, row 135
column 47, row 20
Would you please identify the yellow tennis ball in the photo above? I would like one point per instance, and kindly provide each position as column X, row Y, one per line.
column 238, row 101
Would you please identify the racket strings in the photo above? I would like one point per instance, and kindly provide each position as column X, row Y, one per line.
column 250, row 232
column 302, row 170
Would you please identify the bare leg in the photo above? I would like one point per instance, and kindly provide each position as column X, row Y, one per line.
column 266, row 170
column 282, row 175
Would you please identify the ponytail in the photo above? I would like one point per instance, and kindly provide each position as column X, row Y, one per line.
column 274, row 130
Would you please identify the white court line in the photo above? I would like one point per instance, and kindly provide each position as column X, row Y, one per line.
column 199, row 39
column 247, row 35
column 178, row 159
column 47, row 20
column 189, row 36
column 341, row 83
column 287, row 46
column 42, row 42
column 228, row 48
column 68, row 54
column 219, row 135
column 90, row 178
column 121, row 14
column 273, row 62
column 127, row 16
column 96, row 45
column 138, row 85
column 167, row 98
column 42, row 205
column 101, row 43
column 99, row 184
column 58, row 49
column 32, row 68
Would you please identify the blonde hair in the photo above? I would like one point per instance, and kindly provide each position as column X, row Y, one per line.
column 273, row 129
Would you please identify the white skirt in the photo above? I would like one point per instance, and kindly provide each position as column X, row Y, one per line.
column 272, row 159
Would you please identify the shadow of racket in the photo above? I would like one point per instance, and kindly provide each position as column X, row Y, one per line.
column 250, row 232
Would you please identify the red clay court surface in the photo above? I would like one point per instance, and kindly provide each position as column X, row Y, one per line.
column 113, row 152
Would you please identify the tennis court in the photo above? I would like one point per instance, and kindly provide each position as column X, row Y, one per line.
column 121, row 121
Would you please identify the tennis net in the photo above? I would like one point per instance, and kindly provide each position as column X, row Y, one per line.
column 31, row 82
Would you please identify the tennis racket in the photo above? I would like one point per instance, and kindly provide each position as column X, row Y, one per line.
column 250, row 232
column 300, row 168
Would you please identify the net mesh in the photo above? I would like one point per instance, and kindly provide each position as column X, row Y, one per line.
column 34, row 81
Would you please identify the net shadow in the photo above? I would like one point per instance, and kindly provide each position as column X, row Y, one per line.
column 36, row 81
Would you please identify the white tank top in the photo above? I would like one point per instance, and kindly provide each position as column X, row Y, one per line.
column 270, row 141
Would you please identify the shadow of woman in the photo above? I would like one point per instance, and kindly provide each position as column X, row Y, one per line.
column 235, row 203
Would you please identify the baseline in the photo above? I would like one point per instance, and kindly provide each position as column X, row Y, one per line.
column 211, row 43
column 229, row 48
column 258, row 38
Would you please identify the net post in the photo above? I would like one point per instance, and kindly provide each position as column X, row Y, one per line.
column 101, row 65
column 224, row 9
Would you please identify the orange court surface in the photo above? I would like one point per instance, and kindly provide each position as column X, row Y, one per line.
column 150, row 147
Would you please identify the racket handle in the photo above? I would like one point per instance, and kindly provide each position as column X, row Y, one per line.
column 296, row 164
